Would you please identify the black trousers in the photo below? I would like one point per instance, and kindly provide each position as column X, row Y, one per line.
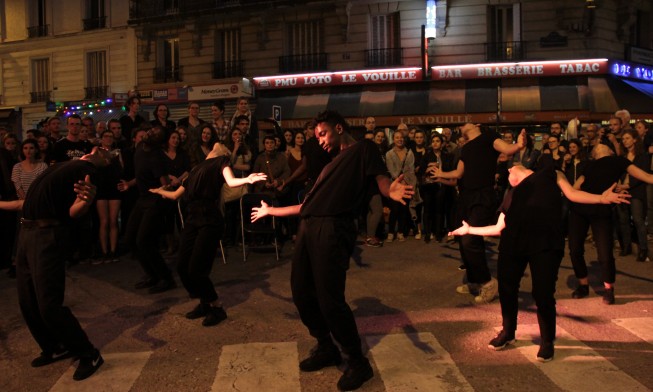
column 198, row 246
column 144, row 232
column 544, row 275
column 433, row 196
column 41, row 281
column 476, row 207
column 602, row 231
column 319, row 272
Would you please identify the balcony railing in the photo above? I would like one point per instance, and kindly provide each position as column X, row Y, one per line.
column 39, row 96
column 303, row 63
column 384, row 57
column 95, row 23
column 227, row 69
column 96, row 92
column 38, row 31
column 150, row 9
column 167, row 74
column 505, row 51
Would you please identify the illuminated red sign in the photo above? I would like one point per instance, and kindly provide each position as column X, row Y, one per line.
column 519, row 70
column 398, row 75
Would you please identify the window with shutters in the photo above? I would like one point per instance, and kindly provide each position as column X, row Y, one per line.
column 303, row 48
column 384, row 41
column 168, row 69
column 40, row 80
column 96, row 74
column 38, row 19
column 504, row 35
column 95, row 16
column 227, row 54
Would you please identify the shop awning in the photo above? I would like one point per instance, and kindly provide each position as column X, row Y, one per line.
column 515, row 100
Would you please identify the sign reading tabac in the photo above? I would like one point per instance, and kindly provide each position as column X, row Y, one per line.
column 520, row 70
column 377, row 76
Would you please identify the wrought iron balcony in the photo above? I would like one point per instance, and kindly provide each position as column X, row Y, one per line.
column 95, row 23
column 384, row 57
column 38, row 31
column 141, row 10
column 96, row 92
column 227, row 69
column 167, row 74
column 39, row 96
column 303, row 63
column 505, row 51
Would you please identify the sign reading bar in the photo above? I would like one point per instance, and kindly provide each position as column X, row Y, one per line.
column 518, row 70
column 631, row 70
column 339, row 78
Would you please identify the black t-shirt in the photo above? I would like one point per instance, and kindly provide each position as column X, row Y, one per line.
column 66, row 150
column 127, row 125
column 599, row 176
column 205, row 181
column 149, row 167
column 52, row 193
column 317, row 158
column 342, row 187
column 533, row 219
column 480, row 159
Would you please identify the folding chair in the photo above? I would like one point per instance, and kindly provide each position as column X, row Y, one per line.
column 266, row 225
column 181, row 216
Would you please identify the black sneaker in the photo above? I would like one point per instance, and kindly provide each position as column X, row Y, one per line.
column 321, row 356
column 582, row 291
column 199, row 311
column 87, row 366
column 48, row 358
column 545, row 353
column 608, row 296
column 163, row 285
column 355, row 375
column 146, row 283
column 214, row 316
column 501, row 340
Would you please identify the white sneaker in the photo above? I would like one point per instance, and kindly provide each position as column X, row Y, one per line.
column 390, row 238
column 418, row 236
column 400, row 237
column 488, row 292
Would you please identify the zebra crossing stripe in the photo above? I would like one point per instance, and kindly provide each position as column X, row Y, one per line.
column 575, row 366
column 415, row 362
column 270, row 367
column 118, row 373
column 638, row 326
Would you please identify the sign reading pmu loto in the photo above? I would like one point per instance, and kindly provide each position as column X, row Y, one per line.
column 339, row 78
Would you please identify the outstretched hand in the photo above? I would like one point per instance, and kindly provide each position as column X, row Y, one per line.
column 256, row 177
column 85, row 190
column 521, row 139
column 462, row 230
column 260, row 212
column 610, row 196
column 400, row 191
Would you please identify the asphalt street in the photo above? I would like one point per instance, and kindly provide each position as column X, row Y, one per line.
column 419, row 333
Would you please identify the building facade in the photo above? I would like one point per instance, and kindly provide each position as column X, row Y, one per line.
column 54, row 53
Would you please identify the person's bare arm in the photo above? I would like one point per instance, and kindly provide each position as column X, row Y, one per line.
column 511, row 149
column 457, row 173
column 396, row 190
column 234, row 182
column 578, row 196
column 492, row 230
column 265, row 210
column 640, row 174
column 85, row 191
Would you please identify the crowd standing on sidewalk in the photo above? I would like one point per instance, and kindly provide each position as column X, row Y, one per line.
column 457, row 173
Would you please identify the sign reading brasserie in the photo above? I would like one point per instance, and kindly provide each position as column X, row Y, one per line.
column 517, row 70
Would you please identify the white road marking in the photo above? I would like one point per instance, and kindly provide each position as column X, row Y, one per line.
column 575, row 366
column 270, row 367
column 638, row 326
column 415, row 362
column 118, row 373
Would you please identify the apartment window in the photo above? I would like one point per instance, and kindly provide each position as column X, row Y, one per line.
column 504, row 33
column 95, row 16
column 168, row 69
column 96, row 75
column 40, row 80
column 39, row 24
column 384, row 41
column 227, row 54
column 303, row 48
column 171, row 7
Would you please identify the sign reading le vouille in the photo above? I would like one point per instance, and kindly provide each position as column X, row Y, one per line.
column 339, row 78
column 520, row 70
